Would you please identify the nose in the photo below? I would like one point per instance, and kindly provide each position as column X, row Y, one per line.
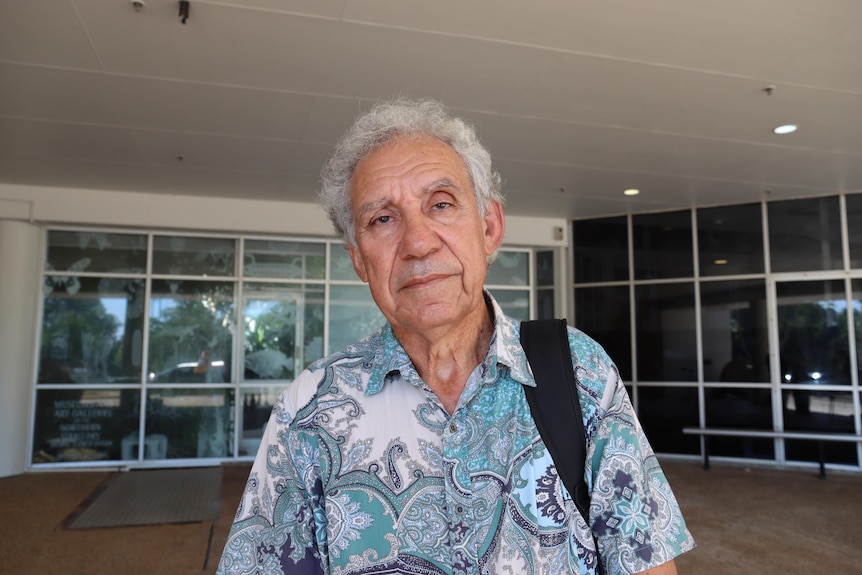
column 419, row 237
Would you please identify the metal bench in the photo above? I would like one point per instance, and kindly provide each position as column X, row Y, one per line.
column 820, row 438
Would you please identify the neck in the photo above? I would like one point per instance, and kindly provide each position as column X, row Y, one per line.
column 445, row 358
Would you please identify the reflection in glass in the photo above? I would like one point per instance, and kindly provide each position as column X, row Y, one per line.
column 283, row 329
column 96, row 252
column 191, row 331
column 545, row 272
column 601, row 250
column 545, row 303
column 854, row 228
column 509, row 269
column 604, row 313
column 812, row 332
column 289, row 260
column 340, row 265
column 805, row 235
column 730, row 240
column 84, row 424
column 514, row 303
column 666, row 335
column 257, row 405
column 352, row 315
column 194, row 256
column 189, row 423
column 740, row 408
column 819, row 411
column 662, row 245
column 663, row 412
column 735, row 339
column 91, row 330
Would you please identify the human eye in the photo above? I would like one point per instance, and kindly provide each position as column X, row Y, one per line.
column 381, row 219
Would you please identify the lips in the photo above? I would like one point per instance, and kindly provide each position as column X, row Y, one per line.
column 423, row 274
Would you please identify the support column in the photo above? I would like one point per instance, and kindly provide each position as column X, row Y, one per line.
column 19, row 296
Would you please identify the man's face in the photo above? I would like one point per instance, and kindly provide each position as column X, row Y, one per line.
column 421, row 241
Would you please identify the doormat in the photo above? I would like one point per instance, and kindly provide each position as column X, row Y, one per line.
column 152, row 497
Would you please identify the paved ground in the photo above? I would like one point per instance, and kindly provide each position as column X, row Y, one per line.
column 758, row 521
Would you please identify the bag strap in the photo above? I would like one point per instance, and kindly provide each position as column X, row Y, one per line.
column 554, row 404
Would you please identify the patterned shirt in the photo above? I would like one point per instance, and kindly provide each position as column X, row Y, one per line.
column 361, row 470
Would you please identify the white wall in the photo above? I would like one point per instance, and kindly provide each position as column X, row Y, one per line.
column 19, row 291
column 72, row 206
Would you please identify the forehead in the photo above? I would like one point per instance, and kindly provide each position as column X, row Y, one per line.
column 409, row 159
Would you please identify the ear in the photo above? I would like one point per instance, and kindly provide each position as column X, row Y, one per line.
column 495, row 227
column 358, row 262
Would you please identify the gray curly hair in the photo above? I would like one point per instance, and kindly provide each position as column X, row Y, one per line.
column 391, row 119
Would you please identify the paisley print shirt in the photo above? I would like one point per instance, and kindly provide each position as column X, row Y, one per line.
column 361, row 470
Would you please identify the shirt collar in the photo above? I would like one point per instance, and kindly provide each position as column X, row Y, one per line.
column 505, row 350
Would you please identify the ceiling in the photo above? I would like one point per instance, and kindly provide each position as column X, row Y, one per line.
column 576, row 99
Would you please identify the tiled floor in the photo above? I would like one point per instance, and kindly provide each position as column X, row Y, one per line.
column 746, row 521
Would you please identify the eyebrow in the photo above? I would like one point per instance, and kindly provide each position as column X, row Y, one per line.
column 374, row 205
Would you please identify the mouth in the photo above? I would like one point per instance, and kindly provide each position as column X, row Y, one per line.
column 424, row 281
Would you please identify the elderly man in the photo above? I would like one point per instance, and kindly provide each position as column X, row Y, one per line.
column 414, row 450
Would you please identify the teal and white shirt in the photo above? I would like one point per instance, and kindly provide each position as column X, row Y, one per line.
column 361, row 470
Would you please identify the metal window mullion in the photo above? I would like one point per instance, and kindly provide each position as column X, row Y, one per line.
column 145, row 351
column 698, row 324
column 772, row 337
column 632, row 310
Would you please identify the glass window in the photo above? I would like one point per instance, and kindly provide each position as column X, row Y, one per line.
column 812, row 331
column 819, row 411
column 663, row 412
column 545, row 270
column 352, row 315
column 189, row 423
column 662, row 245
column 191, row 331
column 283, row 329
column 193, row 256
column 666, row 334
column 96, row 252
column 730, row 240
column 84, row 424
column 735, row 335
column 514, row 303
column 289, row 260
column 545, row 284
column 601, row 250
column 854, row 229
column 256, row 408
column 740, row 408
column 91, row 330
column 340, row 264
column 509, row 269
column 805, row 235
column 604, row 313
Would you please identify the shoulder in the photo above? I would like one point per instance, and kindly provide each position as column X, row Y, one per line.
column 344, row 370
column 595, row 371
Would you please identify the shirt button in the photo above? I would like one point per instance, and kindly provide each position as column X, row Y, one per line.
column 453, row 427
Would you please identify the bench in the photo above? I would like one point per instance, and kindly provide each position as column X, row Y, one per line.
column 820, row 438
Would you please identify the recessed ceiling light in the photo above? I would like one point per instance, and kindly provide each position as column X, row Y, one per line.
column 631, row 192
column 785, row 129
column 720, row 262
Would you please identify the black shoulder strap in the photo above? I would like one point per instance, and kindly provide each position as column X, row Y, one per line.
column 554, row 404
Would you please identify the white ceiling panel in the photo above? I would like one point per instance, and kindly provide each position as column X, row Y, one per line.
column 34, row 138
column 44, row 32
column 98, row 98
column 744, row 38
column 589, row 97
